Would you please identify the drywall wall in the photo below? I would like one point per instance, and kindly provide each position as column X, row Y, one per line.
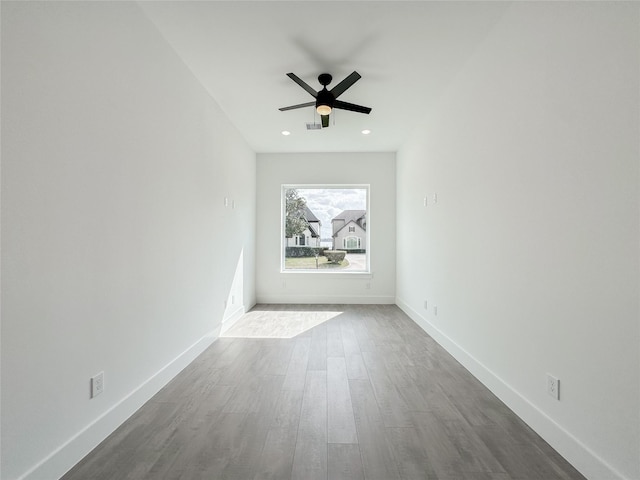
column 531, row 253
column 375, row 169
column 118, row 252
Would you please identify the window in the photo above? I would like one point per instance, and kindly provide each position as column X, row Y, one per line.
column 325, row 228
column 351, row 243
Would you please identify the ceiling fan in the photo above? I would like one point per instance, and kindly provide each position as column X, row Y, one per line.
column 326, row 100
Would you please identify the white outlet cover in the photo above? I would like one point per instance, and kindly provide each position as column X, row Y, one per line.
column 97, row 384
column 553, row 386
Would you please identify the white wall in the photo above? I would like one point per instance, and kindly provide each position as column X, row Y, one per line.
column 117, row 250
column 375, row 169
column 531, row 253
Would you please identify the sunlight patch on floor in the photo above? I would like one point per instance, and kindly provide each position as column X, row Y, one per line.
column 277, row 324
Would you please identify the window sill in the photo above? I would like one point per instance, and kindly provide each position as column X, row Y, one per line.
column 345, row 274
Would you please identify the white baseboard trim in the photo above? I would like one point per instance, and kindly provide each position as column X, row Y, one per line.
column 232, row 318
column 328, row 299
column 73, row 450
column 585, row 460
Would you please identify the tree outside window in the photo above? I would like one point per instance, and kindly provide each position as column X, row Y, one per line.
column 295, row 222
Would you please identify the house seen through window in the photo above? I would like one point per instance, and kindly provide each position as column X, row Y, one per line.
column 324, row 228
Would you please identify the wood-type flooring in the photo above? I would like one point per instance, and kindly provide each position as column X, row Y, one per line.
column 324, row 392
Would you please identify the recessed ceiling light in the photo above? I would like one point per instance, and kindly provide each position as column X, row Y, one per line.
column 366, row 132
column 286, row 132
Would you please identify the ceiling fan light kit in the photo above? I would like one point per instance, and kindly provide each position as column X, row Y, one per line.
column 323, row 109
column 326, row 100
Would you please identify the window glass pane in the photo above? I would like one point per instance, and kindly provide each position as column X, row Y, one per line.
column 325, row 228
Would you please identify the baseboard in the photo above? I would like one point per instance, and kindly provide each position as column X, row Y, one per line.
column 232, row 318
column 71, row 452
column 572, row 449
column 328, row 299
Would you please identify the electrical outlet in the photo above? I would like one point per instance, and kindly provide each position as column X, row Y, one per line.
column 435, row 310
column 426, row 305
column 553, row 386
column 97, row 384
column 435, row 198
column 424, row 201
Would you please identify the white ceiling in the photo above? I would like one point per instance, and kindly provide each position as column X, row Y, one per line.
column 406, row 52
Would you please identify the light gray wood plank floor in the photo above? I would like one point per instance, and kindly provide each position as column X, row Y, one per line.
column 324, row 392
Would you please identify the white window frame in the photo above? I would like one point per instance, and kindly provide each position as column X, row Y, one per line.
column 367, row 188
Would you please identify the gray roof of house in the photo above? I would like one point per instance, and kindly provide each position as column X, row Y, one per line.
column 348, row 216
column 309, row 215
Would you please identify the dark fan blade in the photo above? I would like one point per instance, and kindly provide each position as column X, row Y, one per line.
column 302, row 83
column 351, row 107
column 344, row 84
column 293, row 107
column 325, row 121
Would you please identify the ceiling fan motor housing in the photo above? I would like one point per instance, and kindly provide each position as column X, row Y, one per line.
column 325, row 97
